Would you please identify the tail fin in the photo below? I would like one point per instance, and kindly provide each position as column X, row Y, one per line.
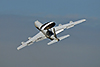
column 38, row 24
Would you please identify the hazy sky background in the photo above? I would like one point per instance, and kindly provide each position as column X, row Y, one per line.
column 81, row 49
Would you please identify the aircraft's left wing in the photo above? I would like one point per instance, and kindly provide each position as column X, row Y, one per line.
column 38, row 37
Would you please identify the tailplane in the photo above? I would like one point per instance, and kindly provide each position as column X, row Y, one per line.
column 60, row 38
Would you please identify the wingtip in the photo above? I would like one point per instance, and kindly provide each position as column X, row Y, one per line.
column 84, row 19
column 18, row 49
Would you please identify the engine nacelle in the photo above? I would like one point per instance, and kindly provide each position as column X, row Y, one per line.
column 71, row 22
column 22, row 43
column 45, row 26
column 29, row 38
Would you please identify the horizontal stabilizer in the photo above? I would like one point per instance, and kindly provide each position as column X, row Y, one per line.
column 54, row 41
column 60, row 38
column 63, row 37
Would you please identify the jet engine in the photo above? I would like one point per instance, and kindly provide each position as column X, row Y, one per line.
column 45, row 26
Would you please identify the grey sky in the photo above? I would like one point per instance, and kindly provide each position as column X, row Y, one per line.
column 54, row 7
column 81, row 49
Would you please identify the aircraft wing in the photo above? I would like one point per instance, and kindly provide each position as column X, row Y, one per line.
column 60, row 28
column 38, row 37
